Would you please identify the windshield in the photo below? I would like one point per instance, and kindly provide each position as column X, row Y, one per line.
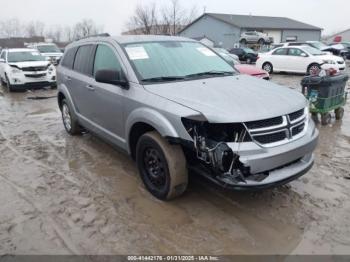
column 318, row 45
column 24, row 56
column 172, row 60
column 312, row 51
column 48, row 49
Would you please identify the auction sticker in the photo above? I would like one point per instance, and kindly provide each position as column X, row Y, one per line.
column 136, row 53
column 206, row 51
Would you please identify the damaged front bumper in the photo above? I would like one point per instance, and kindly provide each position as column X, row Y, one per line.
column 258, row 167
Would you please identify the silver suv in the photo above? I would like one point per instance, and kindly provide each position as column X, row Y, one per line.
column 254, row 37
column 177, row 107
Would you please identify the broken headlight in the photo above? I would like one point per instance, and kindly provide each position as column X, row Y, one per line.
column 210, row 142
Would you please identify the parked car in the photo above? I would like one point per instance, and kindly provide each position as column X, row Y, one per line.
column 346, row 46
column 49, row 50
column 25, row 68
column 336, row 49
column 175, row 105
column 254, row 37
column 243, row 68
column 298, row 59
column 245, row 54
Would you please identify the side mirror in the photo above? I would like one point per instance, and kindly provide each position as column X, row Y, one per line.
column 113, row 77
column 303, row 55
column 2, row 60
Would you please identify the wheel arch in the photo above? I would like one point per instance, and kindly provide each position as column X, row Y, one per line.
column 142, row 121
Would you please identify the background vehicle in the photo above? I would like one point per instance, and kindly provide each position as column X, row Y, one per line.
column 298, row 59
column 158, row 107
column 336, row 49
column 245, row 54
column 242, row 68
column 49, row 50
column 25, row 68
column 254, row 37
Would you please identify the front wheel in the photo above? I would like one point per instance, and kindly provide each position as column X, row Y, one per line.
column 326, row 118
column 314, row 69
column 162, row 166
column 268, row 67
column 261, row 42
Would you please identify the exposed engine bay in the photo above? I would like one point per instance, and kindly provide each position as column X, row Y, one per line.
column 211, row 148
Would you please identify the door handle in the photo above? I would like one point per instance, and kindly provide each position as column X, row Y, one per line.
column 90, row 88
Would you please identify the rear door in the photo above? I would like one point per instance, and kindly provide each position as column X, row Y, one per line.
column 279, row 59
column 81, row 80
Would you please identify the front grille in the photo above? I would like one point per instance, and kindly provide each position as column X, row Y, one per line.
column 298, row 129
column 271, row 138
column 265, row 123
column 35, row 68
column 270, row 132
column 296, row 115
column 36, row 75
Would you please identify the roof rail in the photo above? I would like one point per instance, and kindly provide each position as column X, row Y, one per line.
column 98, row 35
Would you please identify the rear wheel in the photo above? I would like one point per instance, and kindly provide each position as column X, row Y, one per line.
column 326, row 119
column 70, row 122
column 339, row 113
column 314, row 69
column 162, row 166
column 243, row 42
column 267, row 67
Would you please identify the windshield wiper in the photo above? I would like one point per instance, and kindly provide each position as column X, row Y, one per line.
column 162, row 79
column 211, row 73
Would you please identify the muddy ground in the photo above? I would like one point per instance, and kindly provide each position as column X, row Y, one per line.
column 77, row 195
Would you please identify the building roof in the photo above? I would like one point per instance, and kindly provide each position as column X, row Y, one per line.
column 258, row 22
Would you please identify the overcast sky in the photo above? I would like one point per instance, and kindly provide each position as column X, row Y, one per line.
column 332, row 15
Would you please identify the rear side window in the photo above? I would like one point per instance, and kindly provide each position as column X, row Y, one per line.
column 106, row 59
column 281, row 51
column 84, row 58
column 68, row 58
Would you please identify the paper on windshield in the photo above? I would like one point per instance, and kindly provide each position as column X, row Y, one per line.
column 136, row 53
column 206, row 51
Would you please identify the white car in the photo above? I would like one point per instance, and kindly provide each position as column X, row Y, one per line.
column 298, row 59
column 49, row 50
column 24, row 68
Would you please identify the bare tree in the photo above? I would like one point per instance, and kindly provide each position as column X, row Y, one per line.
column 86, row 28
column 144, row 19
column 34, row 28
column 55, row 33
column 169, row 20
column 11, row 28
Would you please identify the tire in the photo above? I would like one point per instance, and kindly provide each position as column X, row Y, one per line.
column 261, row 41
column 70, row 121
column 268, row 67
column 314, row 117
column 313, row 69
column 8, row 85
column 339, row 113
column 243, row 41
column 162, row 166
column 326, row 118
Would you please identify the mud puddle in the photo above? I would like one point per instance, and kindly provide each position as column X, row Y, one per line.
column 77, row 195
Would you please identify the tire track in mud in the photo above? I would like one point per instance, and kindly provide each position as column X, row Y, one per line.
column 67, row 243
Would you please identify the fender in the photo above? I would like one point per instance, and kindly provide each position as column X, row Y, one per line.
column 151, row 117
column 64, row 90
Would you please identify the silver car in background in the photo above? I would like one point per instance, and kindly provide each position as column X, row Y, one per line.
column 176, row 106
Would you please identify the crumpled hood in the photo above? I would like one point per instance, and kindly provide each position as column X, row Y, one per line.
column 30, row 64
column 238, row 98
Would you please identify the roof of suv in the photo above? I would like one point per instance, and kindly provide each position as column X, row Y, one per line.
column 125, row 39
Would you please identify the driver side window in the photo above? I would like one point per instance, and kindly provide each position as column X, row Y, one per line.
column 105, row 58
